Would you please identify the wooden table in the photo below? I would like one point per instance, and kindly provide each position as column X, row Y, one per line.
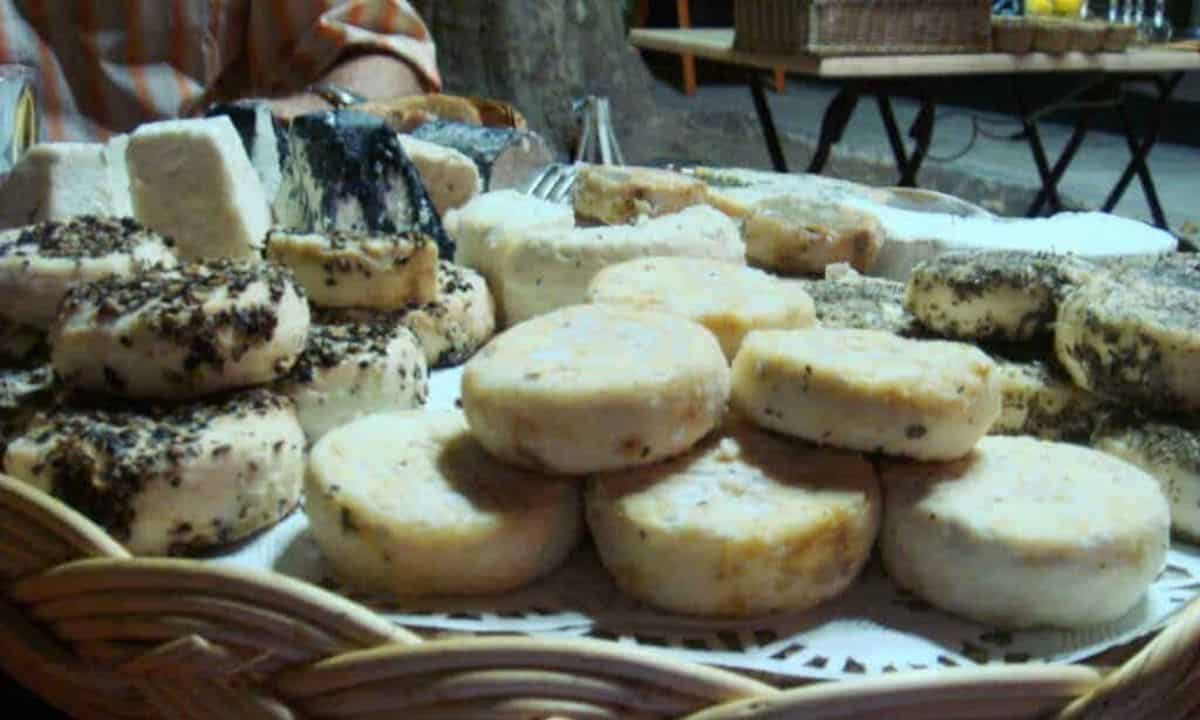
column 1103, row 77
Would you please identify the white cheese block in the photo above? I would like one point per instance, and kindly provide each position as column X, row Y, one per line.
column 181, row 333
column 1168, row 451
column 192, row 181
column 344, row 269
column 730, row 300
column 595, row 388
column 172, row 479
column 868, row 390
column 1007, row 296
column 845, row 299
column 263, row 136
column 450, row 177
column 794, row 235
column 351, row 370
column 546, row 268
column 1038, row 399
column 747, row 523
column 1134, row 334
column 57, row 181
column 1024, row 532
column 118, row 175
column 39, row 263
column 450, row 329
column 617, row 195
column 409, row 504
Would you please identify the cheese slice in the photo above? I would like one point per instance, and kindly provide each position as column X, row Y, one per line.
column 617, row 195
column 57, row 181
column 793, row 235
column 1024, row 532
column 745, row 524
column 409, row 504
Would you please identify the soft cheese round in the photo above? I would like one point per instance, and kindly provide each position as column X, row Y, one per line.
column 1170, row 452
column 845, row 299
column 728, row 299
column 350, row 370
column 594, row 388
column 450, row 329
column 747, row 523
column 1038, row 399
column 1134, row 334
column 868, row 390
column 1007, row 296
column 408, row 503
column 546, row 268
column 1024, row 532
column 169, row 479
column 615, row 195
column 39, row 263
column 793, row 234
column 181, row 333
column 385, row 271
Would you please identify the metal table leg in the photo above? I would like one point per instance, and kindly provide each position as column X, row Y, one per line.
column 833, row 125
column 1034, row 137
column 774, row 149
column 1141, row 151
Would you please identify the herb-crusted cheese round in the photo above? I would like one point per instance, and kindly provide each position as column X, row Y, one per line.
column 169, row 479
column 856, row 302
column 23, row 393
column 868, row 390
column 1039, row 400
column 1135, row 335
column 181, row 333
column 408, row 503
column 1167, row 451
column 40, row 262
column 730, row 300
column 1008, row 296
column 354, row 369
column 747, row 523
column 595, row 388
column 1024, row 532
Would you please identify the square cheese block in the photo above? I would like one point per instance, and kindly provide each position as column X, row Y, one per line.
column 192, row 181
column 450, row 178
column 56, row 181
column 263, row 136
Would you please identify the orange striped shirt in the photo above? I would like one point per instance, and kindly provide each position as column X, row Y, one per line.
column 105, row 66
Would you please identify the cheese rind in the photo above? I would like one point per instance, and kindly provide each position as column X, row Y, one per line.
column 545, row 268
column 746, row 523
column 409, row 504
column 620, row 195
column 730, row 300
column 595, row 388
column 868, row 390
column 343, row 269
column 796, row 236
column 57, row 181
column 1024, row 532
column 39, row 263
column 1134, row 334
column 192, row 181
column 170, row 479
column 354, row 369
column 845, row 299
column 181, row 333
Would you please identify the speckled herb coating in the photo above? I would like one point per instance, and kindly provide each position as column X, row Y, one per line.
column 23, row 392
column 344, row 257
column 84, row 236
column 861, row 303
column 1053, row 408
column 102, row 453
column 358, row 156
column 972, row 276
column 329, row 345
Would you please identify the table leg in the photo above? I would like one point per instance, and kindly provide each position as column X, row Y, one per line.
column 1141, row 151
column 893, row 133
column 833, row 125
column 1035, row 146
column 1082, row 125
column 922, row 132
column 767, row 122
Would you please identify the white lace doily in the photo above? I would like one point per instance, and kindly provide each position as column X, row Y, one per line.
column 872, row 628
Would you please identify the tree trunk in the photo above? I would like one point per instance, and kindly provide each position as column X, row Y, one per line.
column 541, row 55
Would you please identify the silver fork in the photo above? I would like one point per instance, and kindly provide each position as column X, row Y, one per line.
column 553, row 182
column 597, row 144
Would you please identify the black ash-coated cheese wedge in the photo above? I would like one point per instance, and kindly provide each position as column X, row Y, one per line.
column 506, row 157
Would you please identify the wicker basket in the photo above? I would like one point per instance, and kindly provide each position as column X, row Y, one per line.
column 862, row 27
column 102, row 635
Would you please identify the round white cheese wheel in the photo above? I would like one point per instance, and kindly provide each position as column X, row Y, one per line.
column 408, row 503
column 39, row 263
column 745, row 524
column 181, row 333
column 1134, row 334
column 354, row 369
column 728, row 299
column 1038, row 399
column 1024, row 532
column 169, row 479
column 1169, row 452
column 1009, row 296
column 594, row 388
column 868, row 390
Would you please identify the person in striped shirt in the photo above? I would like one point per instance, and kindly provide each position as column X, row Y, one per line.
column 106, row 66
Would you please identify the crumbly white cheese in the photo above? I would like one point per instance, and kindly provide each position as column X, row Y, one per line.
column 617, row 195
column 868, row 390
column 747, row 523
column 409, row 504
column 1024, row 532
column 595, row 388
column 57, row 181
